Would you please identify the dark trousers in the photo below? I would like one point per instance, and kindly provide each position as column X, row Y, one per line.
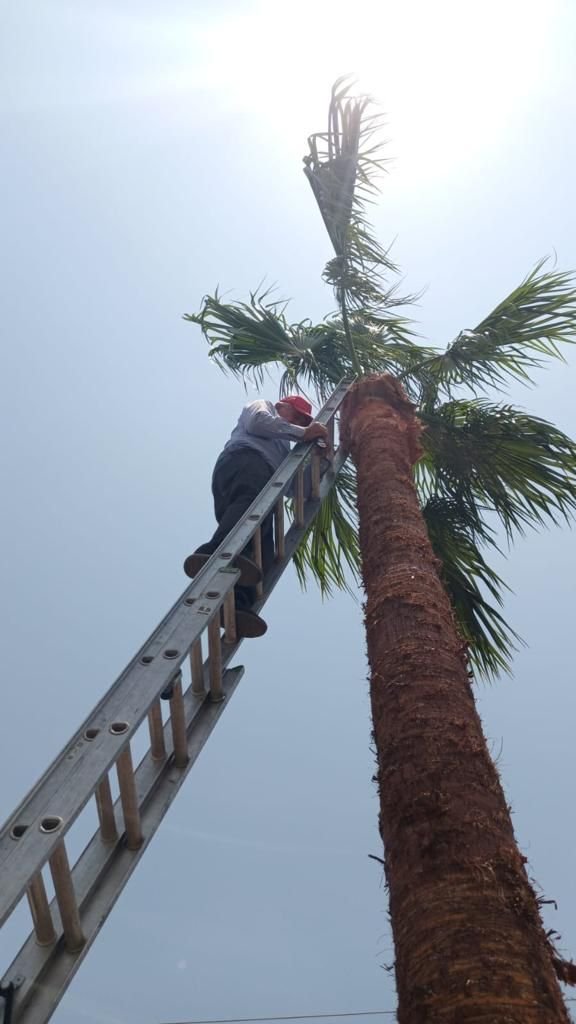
column 238, row 478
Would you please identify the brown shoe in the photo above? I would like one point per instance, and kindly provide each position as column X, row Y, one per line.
column 251, row 574
column 249, row 625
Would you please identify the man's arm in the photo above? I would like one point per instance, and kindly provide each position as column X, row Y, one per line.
column 260, row 418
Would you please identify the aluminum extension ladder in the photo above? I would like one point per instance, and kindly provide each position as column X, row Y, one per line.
column 171, row 659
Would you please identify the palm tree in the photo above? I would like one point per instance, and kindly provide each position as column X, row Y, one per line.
column 436, row 467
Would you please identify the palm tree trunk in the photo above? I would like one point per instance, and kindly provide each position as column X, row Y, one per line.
column 470, row 946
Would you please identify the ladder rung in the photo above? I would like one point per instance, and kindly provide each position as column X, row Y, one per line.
column 178, row 724
column 315, row 469
column 197, row 669
column 105, row 808
column 279, row 529
column 257, row 548
column 129, row 798
column 299, row 498
column 156, row 729
column 40, row 910
column 215, row 652
column 230, row 632
column 66, row 899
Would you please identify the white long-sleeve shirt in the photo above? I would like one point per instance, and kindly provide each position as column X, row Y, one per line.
column 261, row 428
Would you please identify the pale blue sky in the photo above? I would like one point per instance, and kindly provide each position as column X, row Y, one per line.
column 151, row 151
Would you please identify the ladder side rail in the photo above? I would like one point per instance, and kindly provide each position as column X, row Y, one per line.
column 72, row 778
column 111, row 735
column 42, row 973
column 113, row 705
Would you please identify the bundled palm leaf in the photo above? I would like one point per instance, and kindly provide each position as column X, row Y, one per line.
column 342, row 167
column 483, row 464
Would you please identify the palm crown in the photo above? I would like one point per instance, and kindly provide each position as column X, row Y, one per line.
column 488, row 468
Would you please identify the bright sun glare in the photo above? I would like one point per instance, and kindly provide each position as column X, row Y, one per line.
column 450, row 74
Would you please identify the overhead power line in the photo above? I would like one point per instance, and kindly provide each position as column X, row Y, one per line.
column 299, row 1016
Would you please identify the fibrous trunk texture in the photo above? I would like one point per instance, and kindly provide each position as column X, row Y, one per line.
column 470, row 946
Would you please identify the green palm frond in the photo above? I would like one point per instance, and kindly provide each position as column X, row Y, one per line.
column 495, row 458
column 330, row 552
column 511, row 342
column 249, row 338
column 470, row 582
column 245, row 337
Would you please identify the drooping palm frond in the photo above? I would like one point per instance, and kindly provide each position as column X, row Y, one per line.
column 513, row 340
column 498, row 459
column 330, row 555
column 470, row 581
column 330, row 552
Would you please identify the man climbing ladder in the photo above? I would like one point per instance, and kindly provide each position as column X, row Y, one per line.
column 186, row 656
column 257, row 446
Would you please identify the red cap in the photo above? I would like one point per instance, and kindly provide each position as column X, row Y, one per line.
column 300, row 404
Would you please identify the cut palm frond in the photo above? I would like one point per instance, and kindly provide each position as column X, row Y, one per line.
column 343, row 166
